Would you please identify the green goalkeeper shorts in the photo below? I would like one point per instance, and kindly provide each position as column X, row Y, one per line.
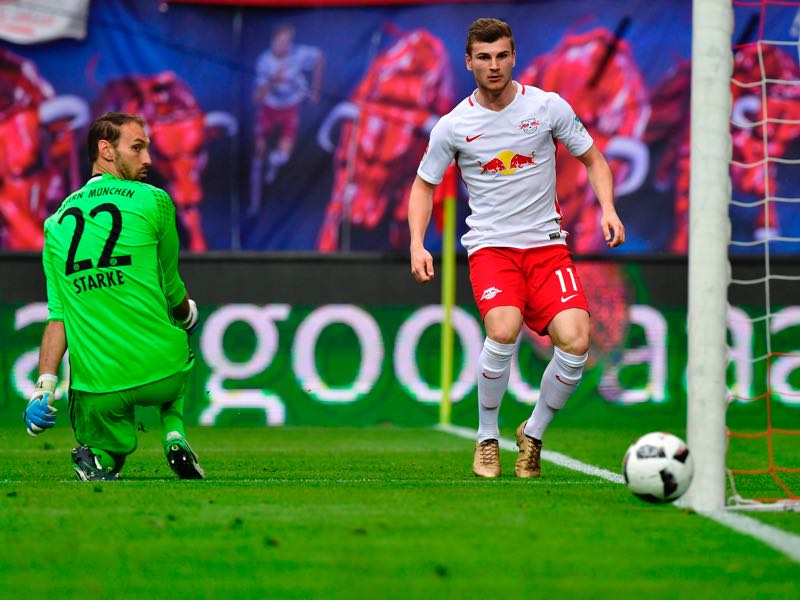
column 107, row 421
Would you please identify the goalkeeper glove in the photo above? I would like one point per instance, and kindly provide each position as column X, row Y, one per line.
column 189, row 324
column 39, row 414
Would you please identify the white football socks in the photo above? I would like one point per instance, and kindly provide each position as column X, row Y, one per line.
column 494, row 367
column 560, row 379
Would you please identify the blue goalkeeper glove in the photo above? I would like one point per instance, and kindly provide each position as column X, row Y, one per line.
column 189, row 324
column 39, row 414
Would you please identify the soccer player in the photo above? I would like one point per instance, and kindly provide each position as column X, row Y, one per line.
column 115, row 298
column 503, row 139
column 281, row 86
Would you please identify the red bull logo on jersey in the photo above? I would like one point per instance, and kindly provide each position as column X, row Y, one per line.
column 529, row 125
column 507, row 163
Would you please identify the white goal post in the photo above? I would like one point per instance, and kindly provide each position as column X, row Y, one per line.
column 709, row 236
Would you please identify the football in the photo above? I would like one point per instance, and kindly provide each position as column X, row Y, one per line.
column 658, row 467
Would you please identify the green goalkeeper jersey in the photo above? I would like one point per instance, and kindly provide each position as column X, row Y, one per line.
column 111, row 261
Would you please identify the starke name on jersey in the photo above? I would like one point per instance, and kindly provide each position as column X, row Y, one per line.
column 106, row 279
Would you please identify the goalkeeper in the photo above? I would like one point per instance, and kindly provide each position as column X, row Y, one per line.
column 115, row 299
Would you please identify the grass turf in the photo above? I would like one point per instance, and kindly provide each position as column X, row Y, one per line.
column 356, row 513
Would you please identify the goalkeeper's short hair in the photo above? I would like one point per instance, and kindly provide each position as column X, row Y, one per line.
column 107, row 127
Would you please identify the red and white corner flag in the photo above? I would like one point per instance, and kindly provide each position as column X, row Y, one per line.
column 35, row 21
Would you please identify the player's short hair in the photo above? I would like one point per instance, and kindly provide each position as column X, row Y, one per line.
column 107, row 127
column 488, row 31
column 284, row 27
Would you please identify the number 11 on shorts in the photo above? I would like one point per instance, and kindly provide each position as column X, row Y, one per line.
column 560, row 276
column 563, row 283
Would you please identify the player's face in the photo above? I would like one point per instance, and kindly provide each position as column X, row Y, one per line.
column 131, row 157
column 282, row 43
column 492, row 63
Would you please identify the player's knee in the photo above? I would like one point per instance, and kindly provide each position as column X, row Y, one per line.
column 576, row 344
column 503, row 334
column 577, row 347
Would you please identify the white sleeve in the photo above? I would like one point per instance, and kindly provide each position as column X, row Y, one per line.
column 309, row 55
column 262, row 69
column 567, row 127
column 438, row 155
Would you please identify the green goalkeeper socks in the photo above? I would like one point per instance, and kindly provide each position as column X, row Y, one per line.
column 171, row 421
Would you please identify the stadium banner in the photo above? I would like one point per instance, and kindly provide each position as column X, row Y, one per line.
column 27, row 22
column 320, row 3
column 268, row 356
column 273, row 130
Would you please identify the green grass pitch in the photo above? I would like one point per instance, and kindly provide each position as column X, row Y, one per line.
column 360, row 513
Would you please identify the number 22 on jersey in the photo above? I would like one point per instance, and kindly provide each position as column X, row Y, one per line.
column 106, row 259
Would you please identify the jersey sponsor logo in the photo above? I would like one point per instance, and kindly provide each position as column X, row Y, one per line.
column 473, row 138
column 508, row 163
column 490, row 293
column 568, row 298
column 530, row 126
column 578, row 125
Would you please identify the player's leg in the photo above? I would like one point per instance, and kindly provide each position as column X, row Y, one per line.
column 569, row 331
column 498, row 287
column 287, row 133
column 168, row 394
column 503, row 324
column 494, row 366
column 183, row 461
column 561, row 312
column 105, row 431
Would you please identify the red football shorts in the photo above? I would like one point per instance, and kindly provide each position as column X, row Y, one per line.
column 541, row 282
column 278, row 121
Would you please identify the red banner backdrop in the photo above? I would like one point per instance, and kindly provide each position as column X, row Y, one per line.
column 320, row 3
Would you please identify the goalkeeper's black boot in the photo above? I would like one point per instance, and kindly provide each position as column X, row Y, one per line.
column 181, row 458
column 88, row 468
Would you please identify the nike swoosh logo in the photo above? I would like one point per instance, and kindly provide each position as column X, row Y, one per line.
column 565, row 382
column 566, row 299
column 487, row 377
column 472, row 139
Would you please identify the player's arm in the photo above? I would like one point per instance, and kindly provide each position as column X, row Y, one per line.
column 185, row 314
column 420, row 206
column 263, row 83
column 54, row 339
column 40, row 414
column 602, row 182
column 182, row 308
column 54, row 345
column 316, row 78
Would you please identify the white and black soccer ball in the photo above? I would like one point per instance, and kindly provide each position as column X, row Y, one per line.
column 658, row 467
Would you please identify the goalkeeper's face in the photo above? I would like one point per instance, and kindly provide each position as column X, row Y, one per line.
column 131, row 156
column 492, row 63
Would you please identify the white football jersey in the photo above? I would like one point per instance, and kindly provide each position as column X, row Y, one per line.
column 286, row 75
column 507, row 159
